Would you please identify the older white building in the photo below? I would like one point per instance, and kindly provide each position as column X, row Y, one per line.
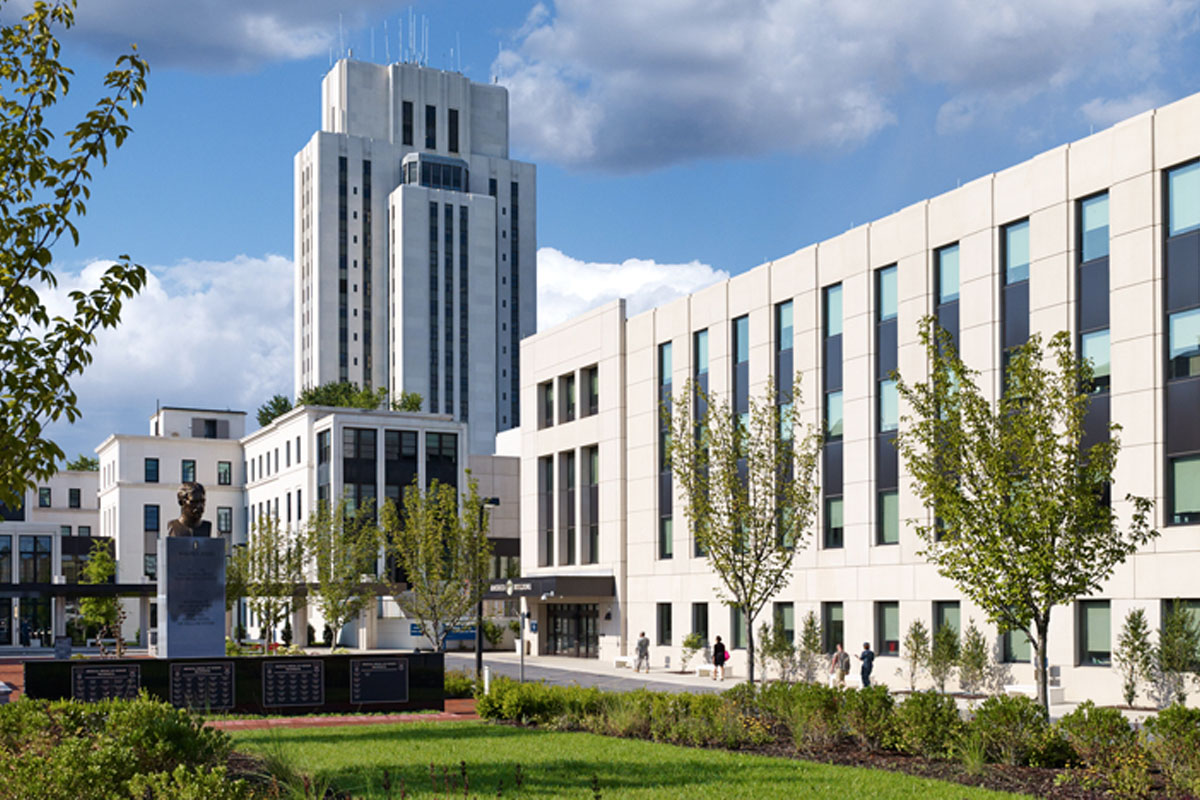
column 415, row 243
column 1100, row 237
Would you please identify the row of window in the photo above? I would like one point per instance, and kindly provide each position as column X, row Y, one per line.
column 152, row 518
column 1093, row 627
column 431, row 116
column 266, row 463
column 35, row 558
column 568, row 406
column 45, row 498
column 187, row 471
column 559, row 534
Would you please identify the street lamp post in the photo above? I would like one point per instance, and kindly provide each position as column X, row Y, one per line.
column 484, row 505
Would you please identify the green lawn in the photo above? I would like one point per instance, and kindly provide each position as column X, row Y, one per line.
column 562, row 765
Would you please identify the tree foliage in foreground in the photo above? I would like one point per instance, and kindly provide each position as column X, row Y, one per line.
column 1017, row 516
column 441, row 546
column 44, row 188
column 749, row 489
column 105, row 612
column 342, row 544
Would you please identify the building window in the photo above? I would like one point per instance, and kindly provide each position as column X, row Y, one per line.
column 889, row 407
column 150, row 518
column 224, row 473
column 36, row 559
column 888, row 294
column 591, row 385
column 833, row 310
column 1016, row 252
column 73, row 499
column 700, row 620
column 6, row 562
column 833, row 522
column 1094, row 228
column 946, row 614
column 1183, row 331
column 546, row 404
column 664, row 624
column 546, row 510
column 430, row 128
column 64, row 530
column 1016, row 648
column 84, row 530
column 43, row 497
column 407, row 122
column 889, row 518
column 187, row 470
column 1095, row 633
column 700, row 350
column 832, row 626
column 151, row 470
column 737, row 629
column 591, row 500
column 567, row 388
column 1184, row 491
column 833, row 416
column 1183, row 192
column 887, row 629
column 452, row 130
column 666, row 543
column 947, row 274
column 225, row 518
column 783, row 617
column 1095, row 348
column 210, row 429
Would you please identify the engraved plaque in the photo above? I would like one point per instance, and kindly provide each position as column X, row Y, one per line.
column 93, row 683
column 202, row 686
column 378, row 680
column 293, row 683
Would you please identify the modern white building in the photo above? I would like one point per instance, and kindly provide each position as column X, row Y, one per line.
column 415, row 244
column 1100, row 237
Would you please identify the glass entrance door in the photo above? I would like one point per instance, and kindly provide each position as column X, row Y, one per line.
column 572, row 630
column 35, row 622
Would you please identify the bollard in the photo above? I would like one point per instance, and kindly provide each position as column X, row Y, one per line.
column 487, row 679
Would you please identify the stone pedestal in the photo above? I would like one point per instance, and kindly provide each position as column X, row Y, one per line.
column 191, row 597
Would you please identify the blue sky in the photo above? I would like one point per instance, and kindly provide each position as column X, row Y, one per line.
column 677, row 142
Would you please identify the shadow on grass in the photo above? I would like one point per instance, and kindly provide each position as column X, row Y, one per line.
column 389, row 735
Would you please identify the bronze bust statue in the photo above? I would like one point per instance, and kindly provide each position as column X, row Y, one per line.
column 191, row 509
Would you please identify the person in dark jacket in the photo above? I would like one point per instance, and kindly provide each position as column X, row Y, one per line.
column 868, row 663
column 719, row 655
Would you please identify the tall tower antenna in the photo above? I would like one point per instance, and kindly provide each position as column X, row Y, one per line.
column 372, row 43
column 387, row 45
column 341, row 40
column 458, row 50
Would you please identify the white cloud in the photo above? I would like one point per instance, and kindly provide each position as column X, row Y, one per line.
column 568, row 287
column 200, row 333
column 221, row 35
column 627, row 85
column 1103, row 112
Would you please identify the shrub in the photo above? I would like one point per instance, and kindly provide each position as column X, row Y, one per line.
column 1132, row 653
column 809, row 654
column 459, row 683
column 745, row 697
column 188, row 784
column 1011, row 726
column 916, row 653
column 973, row 659
column 814, row 718
column 626, row 715
column 492, row 632
column 927, row 723
column 1172, row 739
column 692, row 644
column 869, row 716
column 92, row 752
column 565, row 706
column 1096, row 734
column 943, row 656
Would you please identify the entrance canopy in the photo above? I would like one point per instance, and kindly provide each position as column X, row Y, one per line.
column 554, row 586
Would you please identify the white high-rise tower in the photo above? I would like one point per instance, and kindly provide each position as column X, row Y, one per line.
column 416, row 241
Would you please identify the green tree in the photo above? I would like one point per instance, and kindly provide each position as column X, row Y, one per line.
column 915, row 651
column 274, row 573
column 342, row 394
column 84, row 463
column 45, row 190
column 277, row 406
column 237, row 580
column 441, row 546
column 343, row 544
column 749, row 490
column 1177, row 654
column 104, row 611
column 774, row 647
column 943, row 656
column 809, row 653
column 974, row 657
column 692, row 643
column 1018, row 517
column 1132, row 655
column 408, row 401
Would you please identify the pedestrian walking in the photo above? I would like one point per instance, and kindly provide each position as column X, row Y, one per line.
column 839, row 665
column 719, row 655
column 643, row 653
column 868, row 663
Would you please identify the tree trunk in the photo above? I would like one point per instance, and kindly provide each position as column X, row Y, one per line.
column 749, row 642
column 1041, row 671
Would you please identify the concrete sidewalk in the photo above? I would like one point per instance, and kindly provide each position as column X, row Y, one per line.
column 564, row 671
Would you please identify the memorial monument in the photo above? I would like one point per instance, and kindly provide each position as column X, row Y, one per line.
column 191, row 583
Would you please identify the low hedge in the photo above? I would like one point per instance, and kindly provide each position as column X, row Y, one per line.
column 119, row 748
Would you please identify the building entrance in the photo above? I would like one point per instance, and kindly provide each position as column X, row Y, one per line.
column 572, row 630
column 5, row 620
column 35, row 622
